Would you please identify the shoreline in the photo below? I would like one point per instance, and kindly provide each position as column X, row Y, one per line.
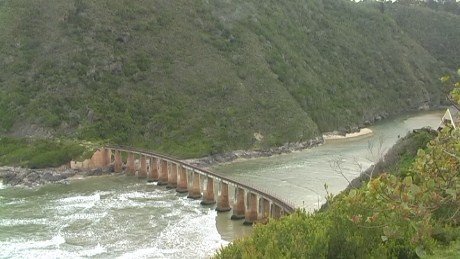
column 26, row 177
column 228, row 157
column 17, row 176
column 335, row 136
column 211, row 160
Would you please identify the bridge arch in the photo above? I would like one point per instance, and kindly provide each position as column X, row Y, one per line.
column 250, row 203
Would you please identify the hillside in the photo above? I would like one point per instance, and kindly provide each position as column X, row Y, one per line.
column 197, row 77
column 410, row 210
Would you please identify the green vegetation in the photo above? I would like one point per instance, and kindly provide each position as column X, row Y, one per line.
column 435, row 31
column 191, row 78
column 451, row 6
column 399, row 158
column 403, row 216
column 41, row 153
column 411, row 213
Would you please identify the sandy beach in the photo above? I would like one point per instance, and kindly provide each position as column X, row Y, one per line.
column 361, row 132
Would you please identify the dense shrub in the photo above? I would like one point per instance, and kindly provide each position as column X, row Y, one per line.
column 192, row 78
column 393, row 216
column 40, row 153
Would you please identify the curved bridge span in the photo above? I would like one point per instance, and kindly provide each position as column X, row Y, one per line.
column 249, row 202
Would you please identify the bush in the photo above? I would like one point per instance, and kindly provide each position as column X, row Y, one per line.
column 393, row 216
column 40, row 153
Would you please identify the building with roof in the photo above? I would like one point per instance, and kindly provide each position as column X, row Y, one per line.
column 451, row 117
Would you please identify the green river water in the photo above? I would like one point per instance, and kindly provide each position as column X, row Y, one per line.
column 122, row 217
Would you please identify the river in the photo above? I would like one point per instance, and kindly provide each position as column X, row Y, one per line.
column 122, row 217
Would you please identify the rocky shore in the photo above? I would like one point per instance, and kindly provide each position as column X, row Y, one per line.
column 244, row 154
column 17, row 176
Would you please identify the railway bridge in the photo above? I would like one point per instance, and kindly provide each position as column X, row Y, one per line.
column 248, row 202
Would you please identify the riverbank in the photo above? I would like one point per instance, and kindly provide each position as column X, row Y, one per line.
column 287, row 148
column 336, row 136
column 18, row 176
column 207, row 161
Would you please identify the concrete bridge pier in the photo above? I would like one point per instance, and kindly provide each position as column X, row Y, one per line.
column 172, row 176
column 130, row 164
column 275, row 211
column 195, row 191
column 249, row 203
column 153, row 175
column 143, row 169
column 118, row 167
column 264, row 206
column 163, row 178
column 239, row 207
column 208, row 197
column 182, row 180
column 251, row 213
column 108, row 156
column 223, row 205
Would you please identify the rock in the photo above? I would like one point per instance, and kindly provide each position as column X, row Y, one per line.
column 93, row 172
column 231, row 156
column 52, row 177
column 33, row 177
column 124, row 38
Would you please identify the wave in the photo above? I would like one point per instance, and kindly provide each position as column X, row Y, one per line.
column 22, row 222
column 80, row 199
column 97, row 250
column 194, row 236
column 25, row 247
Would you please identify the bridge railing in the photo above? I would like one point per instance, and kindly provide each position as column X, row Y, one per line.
column 286, row 205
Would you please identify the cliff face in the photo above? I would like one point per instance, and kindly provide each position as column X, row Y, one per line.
column 197, row 77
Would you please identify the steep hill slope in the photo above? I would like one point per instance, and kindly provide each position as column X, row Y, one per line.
column 436, row 31
column 198, row 77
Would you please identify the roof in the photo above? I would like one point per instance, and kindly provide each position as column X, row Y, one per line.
column 454, row 112
column 452, row 116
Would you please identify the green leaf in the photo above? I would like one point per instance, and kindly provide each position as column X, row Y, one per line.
column 407, row 181
column 452, row 193
column 352, row 193
column 420, row 251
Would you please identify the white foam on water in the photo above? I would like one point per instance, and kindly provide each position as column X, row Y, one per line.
column 182, row 229
column 42, row 254
column 171, row 214
column 2, row 186
column 23, row 246
column 104, row 194
column 142, row 195
column 22, row 222
column 75, row 204
column 76, row 200
column 140, row 200
column 46, row 249
column 97, row 250
column 13, row 202
column 87, row 216
column 194, row 236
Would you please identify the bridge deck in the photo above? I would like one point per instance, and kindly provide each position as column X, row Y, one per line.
column 287, row 206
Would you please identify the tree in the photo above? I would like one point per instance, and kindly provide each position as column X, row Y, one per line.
column 453, row 82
